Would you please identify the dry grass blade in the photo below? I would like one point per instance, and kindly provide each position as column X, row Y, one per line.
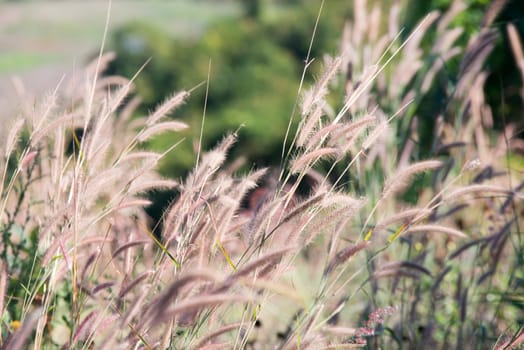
column 400, row 179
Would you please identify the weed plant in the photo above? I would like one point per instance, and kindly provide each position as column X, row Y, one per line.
column 386, row 250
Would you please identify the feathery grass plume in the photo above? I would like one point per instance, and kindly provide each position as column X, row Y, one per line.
column 429, row 228
column 126, row 87
column 510, row 200
column 197, row 303
column 270, row 258
column 406, row 215
column 20, row 337
column 448, row 213
column 398, row 181
column 132, row 203
column 128, row 109
column 475, row 189
column 262, row 217
column 445, row 148
column 90, row 260
column 102, row 286
column 337, row 214
column 12, row 137
column 45, row 108
column 213, row 334
column 166, row 107
column 444, row 43
column 343, row 255
column 126, row 288
column 371, row 139
column 308, row 125
column 67, row 120
column 159, row 304
column 494, row 9
column 127, row 246
column 511, row 342
column 139, row 156
column 136, row 305
column 348, row 132
column 100, row 64
column 474, row 57
column 209, row 164
column 305, row 161
column 437, row 66
column 84, row 329
column 234, row 191
column 401, row 268
column 486, row 173
column 438, row 280
column 341, row 200
column 147, row 185
column 303, row 207
column 317, row 139
column 161, row 128
column 318, row 92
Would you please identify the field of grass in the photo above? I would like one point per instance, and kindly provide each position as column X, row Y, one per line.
column 386, row 249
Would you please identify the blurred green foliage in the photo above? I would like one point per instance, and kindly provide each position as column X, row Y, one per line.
column 254, row 65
